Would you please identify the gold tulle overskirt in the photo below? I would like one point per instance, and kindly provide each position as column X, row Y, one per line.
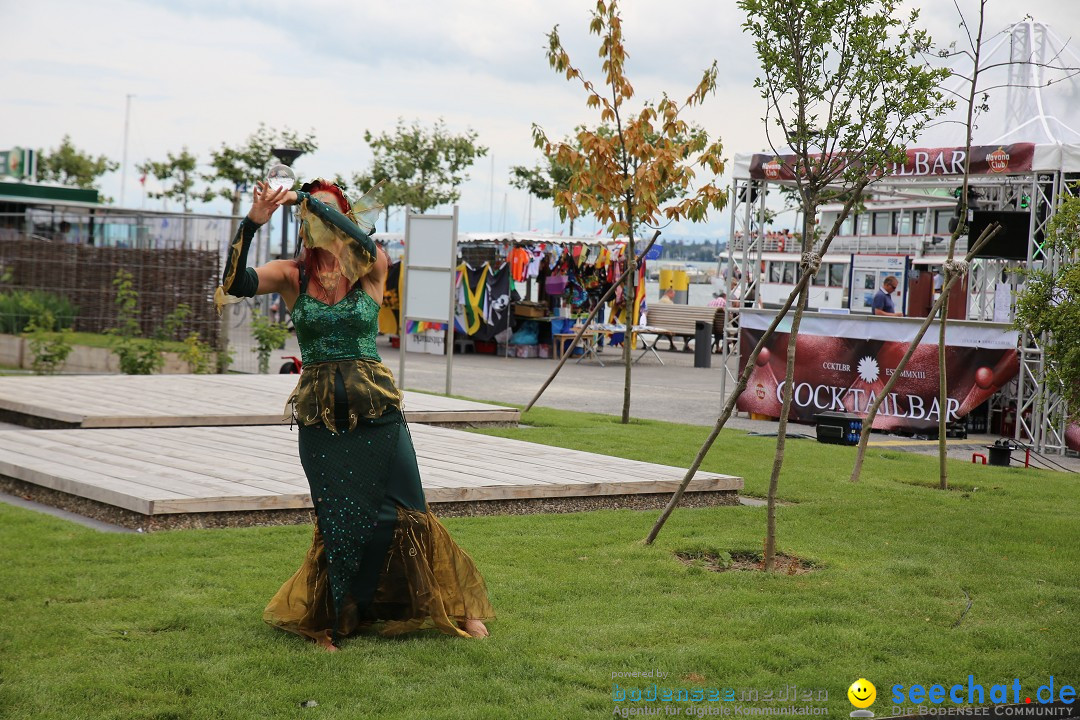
column 427, row 581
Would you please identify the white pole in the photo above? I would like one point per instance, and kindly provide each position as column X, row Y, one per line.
column 453, row 305
column 401, row 318
column 123, row 165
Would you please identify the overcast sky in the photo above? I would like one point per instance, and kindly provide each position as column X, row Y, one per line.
column 203, row 72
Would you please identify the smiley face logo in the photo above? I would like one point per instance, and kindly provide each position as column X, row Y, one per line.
column 862, row 693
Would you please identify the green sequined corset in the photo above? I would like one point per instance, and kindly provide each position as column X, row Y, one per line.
column 341, row 331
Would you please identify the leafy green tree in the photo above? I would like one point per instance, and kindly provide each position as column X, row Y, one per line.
column 846, row 90
column 68, row 165
column 237, row 167
column 422, row 167
column 624, row 177
column 179, row 174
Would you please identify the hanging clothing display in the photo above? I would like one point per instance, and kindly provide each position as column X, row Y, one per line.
column 497, row 307
column 536, row 255
column 519, row 263
column 570, row 279
column 474, row 285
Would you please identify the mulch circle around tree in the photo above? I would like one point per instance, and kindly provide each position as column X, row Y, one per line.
column 723, row 561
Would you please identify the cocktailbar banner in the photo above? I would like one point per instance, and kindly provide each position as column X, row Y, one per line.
column 920, row 162
column 842, row 363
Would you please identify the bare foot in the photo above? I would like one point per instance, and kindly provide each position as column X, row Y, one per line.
column 327, row 644
column 475, row 627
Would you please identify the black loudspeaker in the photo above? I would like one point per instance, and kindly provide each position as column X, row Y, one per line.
column 1011, row 242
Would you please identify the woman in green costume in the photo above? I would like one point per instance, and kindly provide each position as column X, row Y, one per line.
column 378, row 557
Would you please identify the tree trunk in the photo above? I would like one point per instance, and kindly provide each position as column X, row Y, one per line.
column 631, row 307
column 808, row 271
column 943, row 471
column 781, row 434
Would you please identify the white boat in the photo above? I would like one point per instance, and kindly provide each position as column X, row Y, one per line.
column 696, row 275
column 917, row 229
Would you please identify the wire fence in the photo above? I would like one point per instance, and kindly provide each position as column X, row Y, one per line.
column 68, row 261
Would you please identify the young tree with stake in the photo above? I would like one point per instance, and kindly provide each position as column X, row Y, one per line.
column 845, row 94
column 626, row 177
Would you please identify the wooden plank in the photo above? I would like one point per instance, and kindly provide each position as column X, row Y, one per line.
column 75, row 481
column 245, row 504
column 260, row 479
column 555, row 460
column 106, row 462
column 201, row 469
column 190, row 400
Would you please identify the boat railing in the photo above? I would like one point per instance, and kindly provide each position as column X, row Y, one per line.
column 917, row 245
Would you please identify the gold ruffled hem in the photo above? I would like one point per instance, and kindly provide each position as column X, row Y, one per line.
column 428, row 582
column 369, row 386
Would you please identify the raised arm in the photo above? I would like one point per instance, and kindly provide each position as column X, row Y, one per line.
column 237, row 279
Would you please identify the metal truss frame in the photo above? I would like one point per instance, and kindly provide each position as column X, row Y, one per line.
column 747, row 203
column 1041, row 414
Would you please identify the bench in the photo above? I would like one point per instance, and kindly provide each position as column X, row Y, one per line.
column 681, row 321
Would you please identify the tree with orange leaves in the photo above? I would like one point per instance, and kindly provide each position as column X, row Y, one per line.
column 644, row 171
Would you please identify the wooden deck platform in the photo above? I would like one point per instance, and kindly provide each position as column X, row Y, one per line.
column 104, row 401
column 156, row 471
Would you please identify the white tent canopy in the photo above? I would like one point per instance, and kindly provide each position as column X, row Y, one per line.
column 1030, row 103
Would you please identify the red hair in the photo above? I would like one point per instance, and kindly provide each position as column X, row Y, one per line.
column 309, row 258
column 320, row 185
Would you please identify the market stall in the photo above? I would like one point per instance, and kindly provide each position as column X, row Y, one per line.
column 517, row 292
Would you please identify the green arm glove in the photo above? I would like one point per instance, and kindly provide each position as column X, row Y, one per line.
column 234, row 282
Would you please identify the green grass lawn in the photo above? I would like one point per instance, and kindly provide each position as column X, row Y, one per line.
column 169, row 625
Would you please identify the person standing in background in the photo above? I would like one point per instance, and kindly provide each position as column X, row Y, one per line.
column 883, row 302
